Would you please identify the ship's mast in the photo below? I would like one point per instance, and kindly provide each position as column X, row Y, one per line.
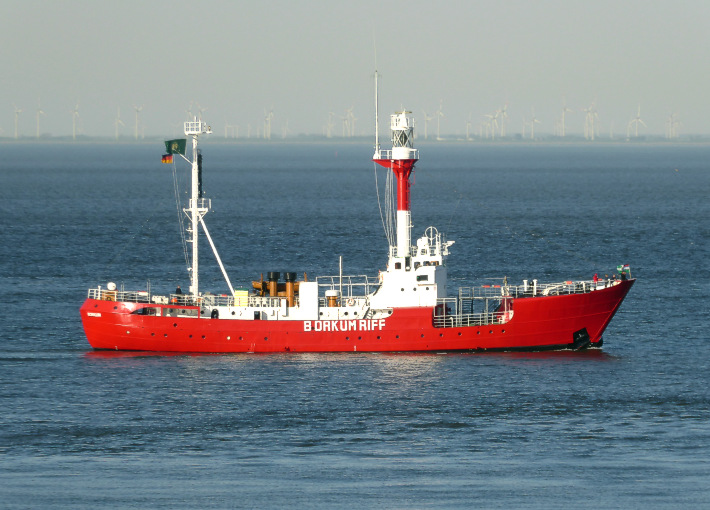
column 198, row 206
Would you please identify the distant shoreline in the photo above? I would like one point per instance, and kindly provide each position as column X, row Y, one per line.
column 368, row 140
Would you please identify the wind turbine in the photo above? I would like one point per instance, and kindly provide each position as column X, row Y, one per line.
column 18, row 111
column 74, row 116
column 267, row 123
column 229, row 128
column 427, row 118
column 329, row 127
column 671, row 126
column 39, row 112
column 590, row 118
column 503, row 114
column 565, row 110
column 439, row 115
column 118, row 121
column 491, row 125
column 351, row 120
column 285, row 130
column 138, row 109
column 346, row 122
column 532, row 124
column 636, row 121
column 199, row 111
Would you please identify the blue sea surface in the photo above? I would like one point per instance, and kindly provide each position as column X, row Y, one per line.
column 627, row 426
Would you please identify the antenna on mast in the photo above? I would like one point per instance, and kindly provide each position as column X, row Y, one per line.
column 377, row 119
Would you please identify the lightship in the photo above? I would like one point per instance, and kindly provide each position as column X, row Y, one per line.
column 405, row 308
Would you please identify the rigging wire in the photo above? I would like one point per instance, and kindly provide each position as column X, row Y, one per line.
column 379, row 203
column 181, row 220
column 388, row 215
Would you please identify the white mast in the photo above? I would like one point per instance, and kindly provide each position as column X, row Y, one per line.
column 377, row 123
column 198, row 206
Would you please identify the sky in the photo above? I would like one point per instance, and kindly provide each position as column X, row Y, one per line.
column 301, row 60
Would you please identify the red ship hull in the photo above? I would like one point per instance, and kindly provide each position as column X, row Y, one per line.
column 538, row 323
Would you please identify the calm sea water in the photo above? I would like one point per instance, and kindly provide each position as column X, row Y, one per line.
column 627, row 426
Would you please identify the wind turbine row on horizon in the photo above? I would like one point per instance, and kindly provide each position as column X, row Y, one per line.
column 493, row 125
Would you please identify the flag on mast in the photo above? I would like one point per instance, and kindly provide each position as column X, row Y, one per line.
column 176, row 146
column 167, row 158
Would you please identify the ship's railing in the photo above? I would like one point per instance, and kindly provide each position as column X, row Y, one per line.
column 352, row 285
column 356, row 301
column 470, row 311
column 212, row 300
column 204, row 204
column 132, row 296
column 387, row 154
column 206, row 300
column 470, row 319
column 484, row 305
column 537, row 289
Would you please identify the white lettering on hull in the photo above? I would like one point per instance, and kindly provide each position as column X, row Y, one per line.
column 344, row 326
column 93, row 314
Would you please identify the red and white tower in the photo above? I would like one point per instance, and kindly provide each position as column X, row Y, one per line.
column 401, row 160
